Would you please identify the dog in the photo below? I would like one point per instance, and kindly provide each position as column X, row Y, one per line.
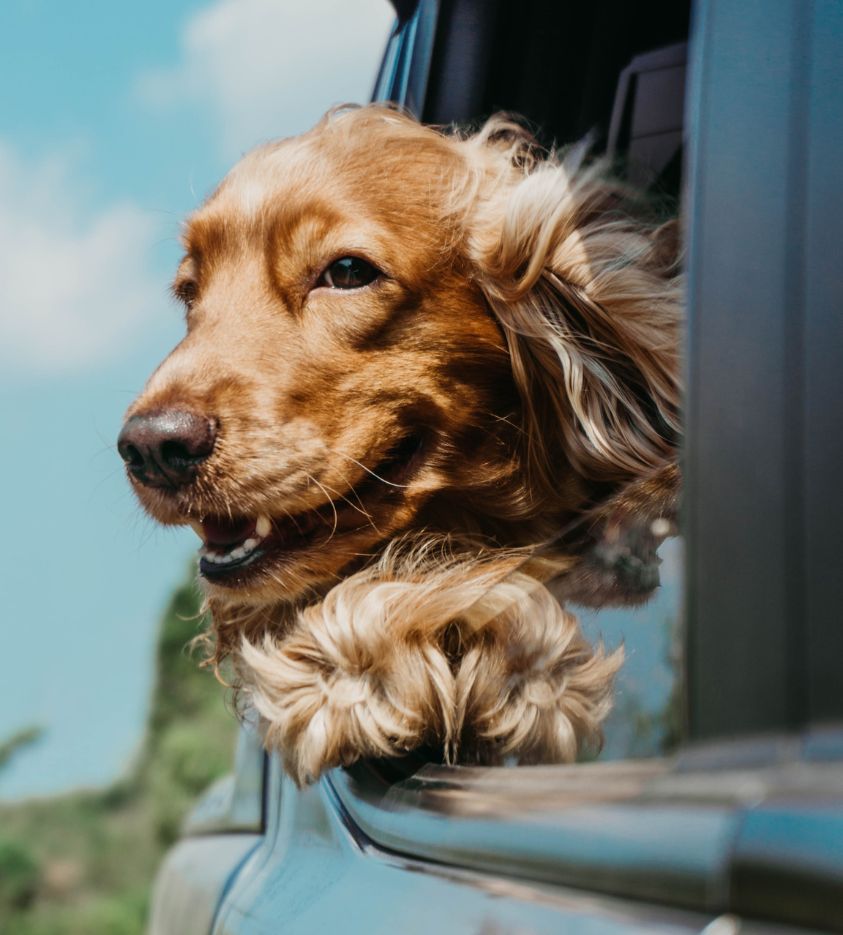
column 429, row 378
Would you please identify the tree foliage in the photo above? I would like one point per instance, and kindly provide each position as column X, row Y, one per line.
column 17, row 742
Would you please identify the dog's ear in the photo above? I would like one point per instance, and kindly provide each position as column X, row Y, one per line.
column 590, row 304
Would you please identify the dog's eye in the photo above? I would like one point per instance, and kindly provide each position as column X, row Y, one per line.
column 186, row 292
column 348, row 272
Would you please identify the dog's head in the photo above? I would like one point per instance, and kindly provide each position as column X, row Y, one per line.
column 388, row 329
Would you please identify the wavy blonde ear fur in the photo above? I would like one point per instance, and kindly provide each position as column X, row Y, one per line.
column 589, row 303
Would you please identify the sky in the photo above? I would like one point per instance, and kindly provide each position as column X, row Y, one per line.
column 116, row 120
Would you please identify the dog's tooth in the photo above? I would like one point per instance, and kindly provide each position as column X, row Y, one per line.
column 250, row 545
column 263, row 526
column 236, row 554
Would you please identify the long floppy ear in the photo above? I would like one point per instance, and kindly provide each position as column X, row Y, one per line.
column 590, row 304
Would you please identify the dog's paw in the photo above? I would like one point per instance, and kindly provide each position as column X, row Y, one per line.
column 529, row 685
column 337, row 689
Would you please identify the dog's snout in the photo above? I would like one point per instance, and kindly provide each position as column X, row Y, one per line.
column 165, row 449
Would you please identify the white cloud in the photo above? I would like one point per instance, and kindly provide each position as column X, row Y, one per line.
column 73, row 289
column 269, row 68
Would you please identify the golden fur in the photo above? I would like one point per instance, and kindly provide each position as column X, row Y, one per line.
column 524, row 335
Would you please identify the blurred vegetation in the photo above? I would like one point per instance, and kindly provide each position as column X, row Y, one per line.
column 647, row 732
column 20, row 740
column 83, row 863
column 659, row 732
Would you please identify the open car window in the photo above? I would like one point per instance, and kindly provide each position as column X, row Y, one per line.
column 627, row 102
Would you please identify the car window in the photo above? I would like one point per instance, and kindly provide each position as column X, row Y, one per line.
column 622, row 88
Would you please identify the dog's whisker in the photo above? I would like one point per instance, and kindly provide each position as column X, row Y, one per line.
column 357, row 507
column 368, row 470
column 506, row 420
column 108, row 476
column 332, row 504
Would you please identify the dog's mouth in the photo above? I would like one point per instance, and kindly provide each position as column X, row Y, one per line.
column 235, row 548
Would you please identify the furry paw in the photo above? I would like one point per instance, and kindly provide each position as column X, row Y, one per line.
column 343, row 685
column 529, row 685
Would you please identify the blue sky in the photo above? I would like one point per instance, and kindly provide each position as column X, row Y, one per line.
column 116, row 120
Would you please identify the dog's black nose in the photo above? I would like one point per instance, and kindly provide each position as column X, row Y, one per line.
column 165, row 449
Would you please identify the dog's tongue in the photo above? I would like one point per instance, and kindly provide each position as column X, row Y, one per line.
column 220, row 530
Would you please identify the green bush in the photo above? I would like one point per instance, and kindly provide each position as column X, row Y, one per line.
column 120, row 914
column 19, row 876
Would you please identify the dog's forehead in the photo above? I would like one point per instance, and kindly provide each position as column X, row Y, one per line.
column 267, row 186
column 371, row 178
column 269, row 176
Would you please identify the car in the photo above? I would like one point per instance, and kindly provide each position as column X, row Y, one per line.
column 732, row 109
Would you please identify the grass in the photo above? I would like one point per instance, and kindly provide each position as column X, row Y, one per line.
column 83, row 863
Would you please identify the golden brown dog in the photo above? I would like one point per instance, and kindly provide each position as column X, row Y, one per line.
column 412, row 359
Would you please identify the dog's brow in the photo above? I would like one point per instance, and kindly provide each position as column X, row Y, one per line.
column 188, row 268
column 296, row 225
column 204, row 236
